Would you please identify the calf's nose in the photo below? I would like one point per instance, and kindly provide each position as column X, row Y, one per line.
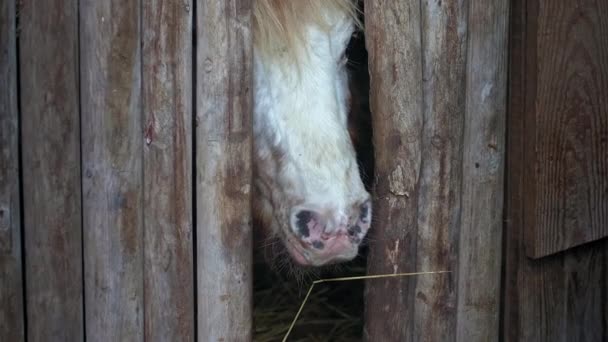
column 314, row 227
column 308, row 224
column 326, row 236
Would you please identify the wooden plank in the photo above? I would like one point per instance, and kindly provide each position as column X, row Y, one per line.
column 223, row 169
column 396, row 101
column 50, row 143
column 586, row 306
column 112, row 150
column 479, row 272
column 11, row 291
column 443, row 66
column 567, row 126
column 428, row 191
column 523, row 280
column 167, row 102
column 560, row 297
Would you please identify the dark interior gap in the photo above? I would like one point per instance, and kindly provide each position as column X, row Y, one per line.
column 506, row 192
column 20, row 171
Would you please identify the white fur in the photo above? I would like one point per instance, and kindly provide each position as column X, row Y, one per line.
column 304, row 155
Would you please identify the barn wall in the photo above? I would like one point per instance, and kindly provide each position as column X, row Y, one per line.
column 135, row 165
column 135, row 168
column 556, row 274
column 438, row 101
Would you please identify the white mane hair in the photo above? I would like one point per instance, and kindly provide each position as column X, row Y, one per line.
column 303, row 152
column 280, row 25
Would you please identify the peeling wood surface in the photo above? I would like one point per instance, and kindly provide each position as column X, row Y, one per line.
column 223, row 169
column 444, row 49
column 483, row 172
column 112, row 150
column 396, row 95
column 11, row 286
column 167, row 107
column 438, row 98
column 50, row 123
column 560, row 297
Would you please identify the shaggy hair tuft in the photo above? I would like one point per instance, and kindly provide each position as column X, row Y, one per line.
column 279, row 25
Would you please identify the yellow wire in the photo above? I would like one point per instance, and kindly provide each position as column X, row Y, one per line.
column 376, row 276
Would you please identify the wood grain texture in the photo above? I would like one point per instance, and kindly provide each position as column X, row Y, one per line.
column 11, row 285
column 167, row 102
column 562, row 297
column 50, row 142
column 112, row 150
column 439, row 203
column 439, row 167
column 223, row 169
column 481, row 231
column 567, row 125
column 396, row 101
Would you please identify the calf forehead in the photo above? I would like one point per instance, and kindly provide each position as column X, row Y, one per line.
column 302, row 105
column 302, row 113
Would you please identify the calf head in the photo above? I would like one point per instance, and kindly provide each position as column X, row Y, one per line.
column 308, row 191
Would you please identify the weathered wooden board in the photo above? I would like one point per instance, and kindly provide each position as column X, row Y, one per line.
column 562, row 297
column 112, row 151
column 396, row 101
column 480, row 242
column 11, row 291
column 444, row 51
column 566, row 125
column 167, row 105
column 223, row 169
column 48, row 50
column 438, row 98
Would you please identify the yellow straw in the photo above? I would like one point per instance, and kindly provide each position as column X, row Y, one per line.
column 376, row 276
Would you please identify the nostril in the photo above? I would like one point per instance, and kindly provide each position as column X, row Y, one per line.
column 354, row 230
column 307, row 224
column 303, row 217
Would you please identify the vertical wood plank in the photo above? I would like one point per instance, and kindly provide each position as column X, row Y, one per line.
column 448, row 109
column 112, row 150
column 11, row 291
column 586, row 306
column 483, row 171
column 444, row 50
column 567, row 126
column 561, row 297
column 396, row 101
column 51, row 169
column 223, row 169
column 167, row 102
column 525, row 304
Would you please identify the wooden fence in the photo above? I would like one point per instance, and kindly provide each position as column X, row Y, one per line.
column 105, row 115
column 132, row 195
column 438, row 101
